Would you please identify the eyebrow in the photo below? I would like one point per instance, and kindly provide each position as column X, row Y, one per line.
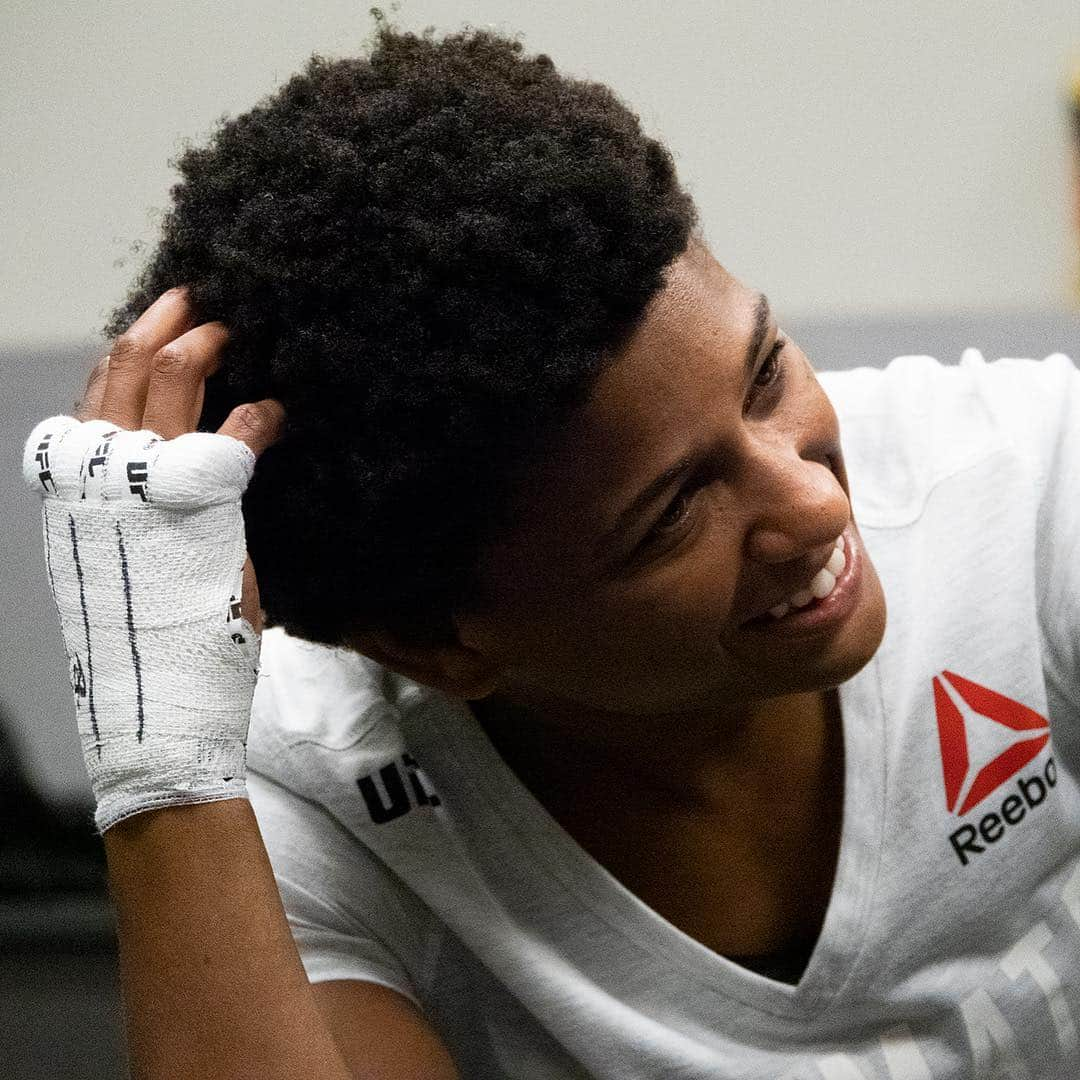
column 762, row 318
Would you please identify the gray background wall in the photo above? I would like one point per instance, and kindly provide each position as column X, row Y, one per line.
column 894, row 175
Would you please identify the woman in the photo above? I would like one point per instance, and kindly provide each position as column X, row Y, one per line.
column 579, row 746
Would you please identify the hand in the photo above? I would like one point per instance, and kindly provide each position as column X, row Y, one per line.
column 145, row 552
column 154, row 378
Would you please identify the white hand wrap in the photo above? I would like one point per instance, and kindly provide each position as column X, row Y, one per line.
column 145, row 548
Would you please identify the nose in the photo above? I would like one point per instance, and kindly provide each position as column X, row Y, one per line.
column 800, row 506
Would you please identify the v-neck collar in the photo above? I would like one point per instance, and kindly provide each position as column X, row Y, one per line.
column 560, row 860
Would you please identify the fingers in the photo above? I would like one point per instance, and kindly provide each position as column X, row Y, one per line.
column 89, row 407
column 258, row 424
column 177, row 371
column 129, row 371
column 155, row 374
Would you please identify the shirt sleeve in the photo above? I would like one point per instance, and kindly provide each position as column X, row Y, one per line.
column 1059, row 524
column 1039, row 402
column 350, row 918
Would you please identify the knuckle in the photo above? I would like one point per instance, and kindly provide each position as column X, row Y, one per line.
column 171, row 360
column 250, row 417
column 127, row 349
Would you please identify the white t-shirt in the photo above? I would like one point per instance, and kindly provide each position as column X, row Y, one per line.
column 409, row 854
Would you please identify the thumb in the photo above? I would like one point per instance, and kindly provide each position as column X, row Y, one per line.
column 257, row 424
column 249, row 598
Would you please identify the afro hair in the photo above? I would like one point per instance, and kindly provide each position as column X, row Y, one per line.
column 426, row 255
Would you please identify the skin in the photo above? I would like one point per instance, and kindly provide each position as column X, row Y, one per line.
column 154, row 379
column 622, row 688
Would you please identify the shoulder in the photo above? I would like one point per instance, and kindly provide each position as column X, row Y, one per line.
column 322, row 714
column 912, row 424
column 1006, row 388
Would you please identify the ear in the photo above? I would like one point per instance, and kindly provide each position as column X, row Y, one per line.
column 454, row 668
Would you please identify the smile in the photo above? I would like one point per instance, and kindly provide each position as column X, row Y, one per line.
column 822, row 585
column 827, row 600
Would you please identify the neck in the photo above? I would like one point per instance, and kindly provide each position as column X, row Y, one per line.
column 703, row 761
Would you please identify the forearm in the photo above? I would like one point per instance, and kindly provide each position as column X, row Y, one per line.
column 212, row 982
column 146, row 559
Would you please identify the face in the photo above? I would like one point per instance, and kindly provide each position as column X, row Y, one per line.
column 621, row 592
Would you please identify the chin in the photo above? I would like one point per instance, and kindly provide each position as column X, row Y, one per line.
column 860, row 646
column 826, row 666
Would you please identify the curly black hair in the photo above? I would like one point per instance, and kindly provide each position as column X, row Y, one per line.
column 427, row 255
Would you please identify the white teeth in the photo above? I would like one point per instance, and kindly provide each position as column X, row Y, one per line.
column 836, row 563
column 822, row 584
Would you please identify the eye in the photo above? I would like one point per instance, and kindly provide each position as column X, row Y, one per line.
column 771, row 370
column 671, row 520
column 679, row 510
column 671, row 517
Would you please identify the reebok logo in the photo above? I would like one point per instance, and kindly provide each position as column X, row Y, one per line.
column 986, row 738
column 964, row 706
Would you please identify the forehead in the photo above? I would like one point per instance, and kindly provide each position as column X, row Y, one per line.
column 650, row 404
column 679, row 352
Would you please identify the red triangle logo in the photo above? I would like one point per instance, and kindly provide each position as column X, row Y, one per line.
column 953, row 737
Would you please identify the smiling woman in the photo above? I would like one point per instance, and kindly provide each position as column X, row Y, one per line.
column 582, row 744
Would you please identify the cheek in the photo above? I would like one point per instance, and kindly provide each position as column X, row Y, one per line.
column 815, row 403
column 674, row 614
